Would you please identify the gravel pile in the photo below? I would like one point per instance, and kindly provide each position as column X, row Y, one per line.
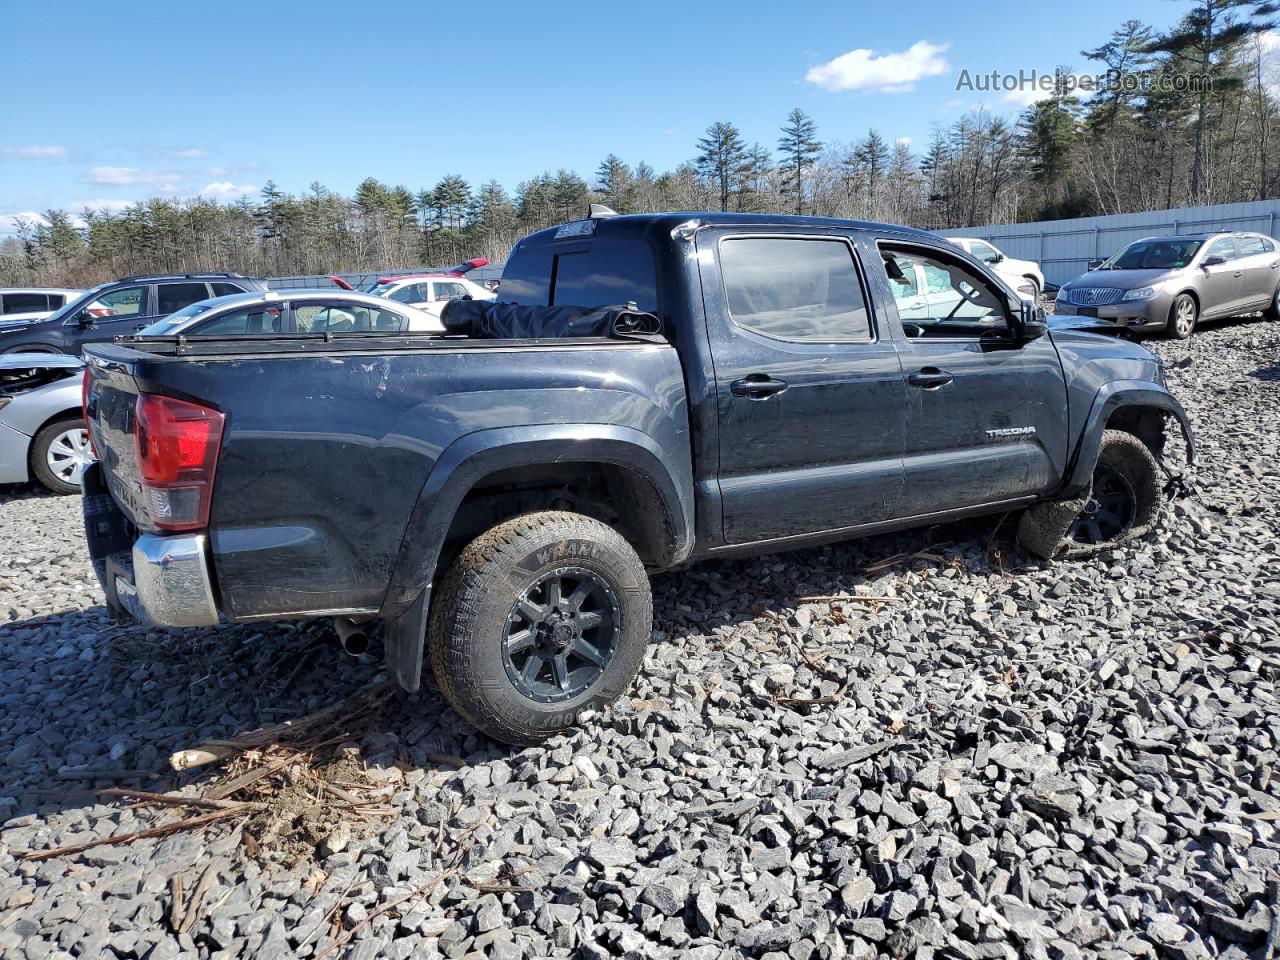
column 997, row 758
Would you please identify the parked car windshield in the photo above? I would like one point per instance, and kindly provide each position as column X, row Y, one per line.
column 170, row 323
column 1154, row 255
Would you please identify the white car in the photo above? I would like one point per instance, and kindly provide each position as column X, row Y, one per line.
column 431, row 291
column 28, row 304
column 1012, row 270
column 428, row 292
column 293, row 311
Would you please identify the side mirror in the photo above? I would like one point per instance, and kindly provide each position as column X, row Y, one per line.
column 1094, row 264
column 995, row 258
column 1031, row 319
column 84, row 320
column 1212, row 261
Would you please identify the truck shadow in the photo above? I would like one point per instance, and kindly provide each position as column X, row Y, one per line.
column 91, row 704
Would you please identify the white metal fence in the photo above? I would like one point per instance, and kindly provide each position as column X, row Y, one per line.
column 1064, row 248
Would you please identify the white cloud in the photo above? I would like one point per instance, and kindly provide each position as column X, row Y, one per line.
column 1026, row 96
column 9, row 221
column 190, row 153
column 36, row 151
column 226, row 190
column 903, row 141
column 134, row 177
column 864, row 69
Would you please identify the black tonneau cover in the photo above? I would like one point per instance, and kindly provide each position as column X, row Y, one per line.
column 491, row 320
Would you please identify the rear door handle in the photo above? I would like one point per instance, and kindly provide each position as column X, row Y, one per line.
column 1238, row 273
column 930, row 378
column 757, row 386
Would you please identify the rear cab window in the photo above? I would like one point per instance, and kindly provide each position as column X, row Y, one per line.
column 601, row 270
column 795, row 288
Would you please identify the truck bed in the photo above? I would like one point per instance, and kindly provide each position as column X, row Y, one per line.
column 330, row 441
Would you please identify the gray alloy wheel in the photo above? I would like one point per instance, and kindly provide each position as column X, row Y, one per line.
column 1182, row 316
column 59, row 454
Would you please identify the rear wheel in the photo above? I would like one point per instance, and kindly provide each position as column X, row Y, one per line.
column 60, row 452
column 541, row 618
column 1182, row 316
column 1273, row 308
column 1124, row 501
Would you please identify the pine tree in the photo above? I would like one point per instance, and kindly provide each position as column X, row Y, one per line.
column 722, row 159
column 614, row 182
column 1204, row 42
column 799, row 147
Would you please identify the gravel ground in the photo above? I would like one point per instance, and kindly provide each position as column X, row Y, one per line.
column 1002, row 758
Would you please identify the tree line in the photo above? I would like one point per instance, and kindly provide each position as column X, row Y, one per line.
column 1191, row 119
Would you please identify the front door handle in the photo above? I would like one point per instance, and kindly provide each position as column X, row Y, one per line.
column 930, row 378
column 1238, row 273
column 757, row 386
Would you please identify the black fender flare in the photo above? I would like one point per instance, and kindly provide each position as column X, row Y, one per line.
column 470, row 458
column 1112, row 397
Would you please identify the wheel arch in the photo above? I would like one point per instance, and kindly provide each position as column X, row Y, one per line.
column 488, row 476
column 1134, row 406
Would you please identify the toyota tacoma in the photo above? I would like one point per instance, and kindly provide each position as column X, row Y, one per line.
column 496, row 495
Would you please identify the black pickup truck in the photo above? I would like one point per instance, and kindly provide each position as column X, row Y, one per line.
column 497, row 503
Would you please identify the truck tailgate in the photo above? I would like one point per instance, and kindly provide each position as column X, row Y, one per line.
column 110, row 399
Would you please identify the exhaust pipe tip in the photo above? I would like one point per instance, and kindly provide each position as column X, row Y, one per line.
column 353, row 636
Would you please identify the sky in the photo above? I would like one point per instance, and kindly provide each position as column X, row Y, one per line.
column 105, row 104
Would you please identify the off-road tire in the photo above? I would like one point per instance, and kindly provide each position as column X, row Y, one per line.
column 39, row 460
column 1043, row 529
column 1171, row 327
column 475, row 599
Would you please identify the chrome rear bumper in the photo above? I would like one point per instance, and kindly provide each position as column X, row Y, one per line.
column 171, row 582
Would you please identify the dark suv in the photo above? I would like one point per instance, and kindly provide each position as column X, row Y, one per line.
column 119, row 307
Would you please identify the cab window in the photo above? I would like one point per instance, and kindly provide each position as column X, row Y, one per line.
column 959, row 302
column 794, row 288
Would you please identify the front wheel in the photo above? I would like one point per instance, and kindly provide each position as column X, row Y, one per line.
column 1124, row 502
column 1182, row 317
column 60, row 452
column 541, row 618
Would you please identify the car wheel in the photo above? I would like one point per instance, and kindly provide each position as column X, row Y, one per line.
column 1124, row 502
column 1273, row 308
column 541, row 618
column 1182, row 316
column 59, row 453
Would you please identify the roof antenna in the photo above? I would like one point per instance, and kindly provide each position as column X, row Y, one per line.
column 598, row 211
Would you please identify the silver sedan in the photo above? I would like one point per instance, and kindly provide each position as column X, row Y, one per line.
column 42, row 433
column 1169, row 284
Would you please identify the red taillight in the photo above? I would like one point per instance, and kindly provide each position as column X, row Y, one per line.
column 177, row 446
column 84, row 407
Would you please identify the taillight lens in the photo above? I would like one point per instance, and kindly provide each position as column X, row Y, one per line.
column 84, row 407
column 177, row 447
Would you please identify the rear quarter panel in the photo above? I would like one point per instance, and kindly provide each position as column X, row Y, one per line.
column 324, row 457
